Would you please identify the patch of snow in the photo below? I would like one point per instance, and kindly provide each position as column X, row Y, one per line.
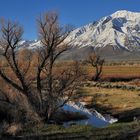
column 22, row 42
column 35, row 44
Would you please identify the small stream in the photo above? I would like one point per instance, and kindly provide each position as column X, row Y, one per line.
column 94, row 118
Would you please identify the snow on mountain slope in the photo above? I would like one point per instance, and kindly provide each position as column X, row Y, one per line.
column 117, row 36
column 120, row 30
column 30, row 44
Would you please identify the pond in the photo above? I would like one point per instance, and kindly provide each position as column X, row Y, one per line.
column 94, row 118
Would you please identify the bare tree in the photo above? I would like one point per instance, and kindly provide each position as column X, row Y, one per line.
column 12, row 72
column 59, row 87
column 96, row 62
column 48, row 90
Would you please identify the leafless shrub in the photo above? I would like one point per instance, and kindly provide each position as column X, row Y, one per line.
column 96, row 62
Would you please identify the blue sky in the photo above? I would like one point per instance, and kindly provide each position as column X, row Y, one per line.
column 75, row 12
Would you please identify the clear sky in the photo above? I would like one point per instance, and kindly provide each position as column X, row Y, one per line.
column 75, row 12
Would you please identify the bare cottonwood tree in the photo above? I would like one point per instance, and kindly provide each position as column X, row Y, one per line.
column 58, row 87
column 12, row 72
column 50, row 88
column 96, row 62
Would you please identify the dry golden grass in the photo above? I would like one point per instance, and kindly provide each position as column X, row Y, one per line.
column 117, row 99
column 109, row 71
column 118, row 70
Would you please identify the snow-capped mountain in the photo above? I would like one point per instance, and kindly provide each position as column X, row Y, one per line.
column 119, row 30
column 115, row 35
column 30, row 44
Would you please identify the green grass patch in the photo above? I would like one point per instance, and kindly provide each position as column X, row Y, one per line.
column 117, row 130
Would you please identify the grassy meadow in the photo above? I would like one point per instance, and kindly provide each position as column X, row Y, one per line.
column 117, row 94
column 117, row 71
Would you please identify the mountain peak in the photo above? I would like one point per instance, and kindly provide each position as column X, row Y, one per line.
column 127, row 14
column 116, row 33
column 120, row 30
